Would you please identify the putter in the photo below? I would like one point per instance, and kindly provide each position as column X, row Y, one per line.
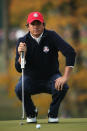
column 22, row 67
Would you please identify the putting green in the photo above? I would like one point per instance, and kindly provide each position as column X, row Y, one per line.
column 73, row 124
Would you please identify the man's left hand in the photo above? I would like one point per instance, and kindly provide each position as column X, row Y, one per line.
column 59, row 82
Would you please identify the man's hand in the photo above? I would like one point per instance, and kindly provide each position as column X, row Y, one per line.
column 59, row 82
column 22, row 47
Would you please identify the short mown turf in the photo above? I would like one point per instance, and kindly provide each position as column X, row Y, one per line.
column 69, row 124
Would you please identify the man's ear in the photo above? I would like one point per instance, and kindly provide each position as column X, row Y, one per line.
column 44, row 24
column 27, row 25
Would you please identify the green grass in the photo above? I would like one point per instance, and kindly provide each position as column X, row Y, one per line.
column 74, row 124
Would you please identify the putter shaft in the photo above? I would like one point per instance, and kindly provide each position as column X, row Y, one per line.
column 22, row 93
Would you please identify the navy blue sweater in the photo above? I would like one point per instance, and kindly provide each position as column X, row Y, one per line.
column 42, row 59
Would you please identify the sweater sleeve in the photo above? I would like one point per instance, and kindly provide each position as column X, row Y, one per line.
column 65, row 48
column 17, row 64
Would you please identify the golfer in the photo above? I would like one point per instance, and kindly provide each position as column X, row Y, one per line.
column 41, row 73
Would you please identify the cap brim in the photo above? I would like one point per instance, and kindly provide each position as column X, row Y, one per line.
column 35, row 19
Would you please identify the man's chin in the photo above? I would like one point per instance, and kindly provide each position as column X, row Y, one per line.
column 36, row 34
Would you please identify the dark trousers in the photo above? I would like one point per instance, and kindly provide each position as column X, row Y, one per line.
column 32, row 87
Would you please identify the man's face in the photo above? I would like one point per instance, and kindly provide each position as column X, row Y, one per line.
column 36, row 28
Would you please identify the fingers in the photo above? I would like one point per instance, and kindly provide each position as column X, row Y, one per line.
column 62, row 86
column 59, row 84
column 22, row 47
column 22, row 44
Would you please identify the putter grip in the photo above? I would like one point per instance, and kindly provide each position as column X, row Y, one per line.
column 22, row 60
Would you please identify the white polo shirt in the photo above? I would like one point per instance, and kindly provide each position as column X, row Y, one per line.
column 37, row 39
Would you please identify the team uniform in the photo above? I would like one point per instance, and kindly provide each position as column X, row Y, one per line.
column 42, row 69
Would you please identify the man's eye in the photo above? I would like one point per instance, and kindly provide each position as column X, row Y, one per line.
column 38, row 23
column 32, row 24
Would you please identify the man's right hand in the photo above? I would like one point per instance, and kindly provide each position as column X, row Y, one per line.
column 22, row 47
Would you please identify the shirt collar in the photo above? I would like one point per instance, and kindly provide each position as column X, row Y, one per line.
column 37, row 39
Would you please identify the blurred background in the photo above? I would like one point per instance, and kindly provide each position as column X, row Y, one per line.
column 69, row 19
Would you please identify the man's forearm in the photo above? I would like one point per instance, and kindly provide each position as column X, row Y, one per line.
column 67, row 72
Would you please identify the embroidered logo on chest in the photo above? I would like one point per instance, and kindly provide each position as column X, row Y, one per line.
column 46, row 49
